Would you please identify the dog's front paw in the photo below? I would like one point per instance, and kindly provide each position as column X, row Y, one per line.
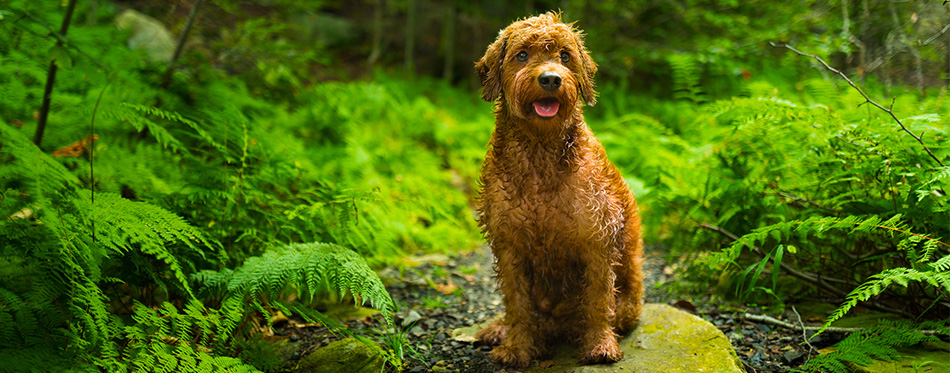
column 514, row 357
column 606, row 351
column 493, row 334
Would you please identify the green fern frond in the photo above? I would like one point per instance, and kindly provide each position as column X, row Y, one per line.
column 122, row 225
column 170, row 340
column 311, row 268
column 861, row 348
column 176, row 117
column 129, row 113
column 46, row 174
column 877, row 283
column 686, row 75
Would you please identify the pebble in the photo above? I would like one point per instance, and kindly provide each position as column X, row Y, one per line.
column 411, row 318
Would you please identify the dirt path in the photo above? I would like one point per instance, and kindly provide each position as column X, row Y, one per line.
column 442, row 294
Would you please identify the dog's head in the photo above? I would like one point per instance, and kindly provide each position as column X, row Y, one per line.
column 540, row 67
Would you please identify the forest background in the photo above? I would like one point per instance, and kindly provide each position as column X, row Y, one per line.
column 266, row 156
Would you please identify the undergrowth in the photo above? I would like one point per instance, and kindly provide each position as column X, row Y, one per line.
column 797, row 194
column 199, row 211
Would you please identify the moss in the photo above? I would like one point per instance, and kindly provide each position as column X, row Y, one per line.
column 348, row 355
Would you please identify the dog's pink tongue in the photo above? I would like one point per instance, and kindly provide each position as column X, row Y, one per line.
column 546, row 109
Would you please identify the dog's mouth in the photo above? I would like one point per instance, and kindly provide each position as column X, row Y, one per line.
column 546, row 107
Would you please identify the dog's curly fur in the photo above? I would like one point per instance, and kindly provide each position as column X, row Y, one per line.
column 560, row 219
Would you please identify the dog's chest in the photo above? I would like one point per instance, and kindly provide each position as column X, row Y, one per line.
column 551, row 207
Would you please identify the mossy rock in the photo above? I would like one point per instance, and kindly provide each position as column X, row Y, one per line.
column 344, row 356
column 667, row 340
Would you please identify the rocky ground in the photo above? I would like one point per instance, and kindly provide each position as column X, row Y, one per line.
column 442, row 294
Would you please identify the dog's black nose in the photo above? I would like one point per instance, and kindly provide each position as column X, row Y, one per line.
column 549, row 81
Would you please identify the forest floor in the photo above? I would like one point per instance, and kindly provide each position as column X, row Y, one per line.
column 441, row 294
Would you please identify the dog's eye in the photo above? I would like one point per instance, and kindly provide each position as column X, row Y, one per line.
column 522, row 56
column 565, row 57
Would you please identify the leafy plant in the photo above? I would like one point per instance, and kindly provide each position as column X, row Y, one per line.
column 878, row 343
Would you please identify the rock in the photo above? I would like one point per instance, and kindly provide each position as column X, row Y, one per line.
column 667, row 340
column 793, row 356
column 347, row 355
column 147, row 33
column 467, row 334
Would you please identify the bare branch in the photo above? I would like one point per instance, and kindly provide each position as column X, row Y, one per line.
column 945, row 28
column 866, row 98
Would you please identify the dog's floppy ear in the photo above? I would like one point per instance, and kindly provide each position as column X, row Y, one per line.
column 588, row 69
column 489, row 69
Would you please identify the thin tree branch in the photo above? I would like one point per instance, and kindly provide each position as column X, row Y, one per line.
column 866, row 98
column 945, row 28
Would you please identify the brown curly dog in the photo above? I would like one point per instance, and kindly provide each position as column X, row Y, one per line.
column 560, row 219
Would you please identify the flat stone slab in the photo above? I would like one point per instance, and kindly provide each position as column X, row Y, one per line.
column 667, row 340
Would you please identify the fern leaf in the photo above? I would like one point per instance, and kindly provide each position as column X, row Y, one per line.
column 310, row 268
column 861, row 348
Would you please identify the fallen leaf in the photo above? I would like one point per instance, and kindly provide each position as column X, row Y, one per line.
column 447, row 288
column 77, row 148
column 685, row 305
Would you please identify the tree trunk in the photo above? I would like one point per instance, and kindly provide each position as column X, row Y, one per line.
column 166, row 80
column 410, row 37
column 448, row 41
column 846, row 28
column 862, row 36
column 377, row 46
column 51, row 77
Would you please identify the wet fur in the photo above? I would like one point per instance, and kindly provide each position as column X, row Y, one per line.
column 560, row 219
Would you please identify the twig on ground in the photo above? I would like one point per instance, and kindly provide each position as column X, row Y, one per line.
column 801, row 324
column 866, row 98
column 774, row 321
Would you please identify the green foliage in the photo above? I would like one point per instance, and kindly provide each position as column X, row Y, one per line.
column 155, row 252
column 878, row 343
column 686, row 75
column 169, row 340
column 308, row 270
column 201, row 207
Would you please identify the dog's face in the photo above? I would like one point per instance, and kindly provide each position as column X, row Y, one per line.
column 539, row 67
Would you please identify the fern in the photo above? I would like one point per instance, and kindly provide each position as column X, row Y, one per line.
column 878, row 343
column 876, row 284
column 167, row 340
column 686, row 74
column 310, row 269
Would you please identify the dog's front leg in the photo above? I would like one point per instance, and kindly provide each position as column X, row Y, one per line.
column 521, row 344
column 598, row 340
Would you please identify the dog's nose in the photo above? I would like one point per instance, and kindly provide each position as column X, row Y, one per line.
column 549, row 81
